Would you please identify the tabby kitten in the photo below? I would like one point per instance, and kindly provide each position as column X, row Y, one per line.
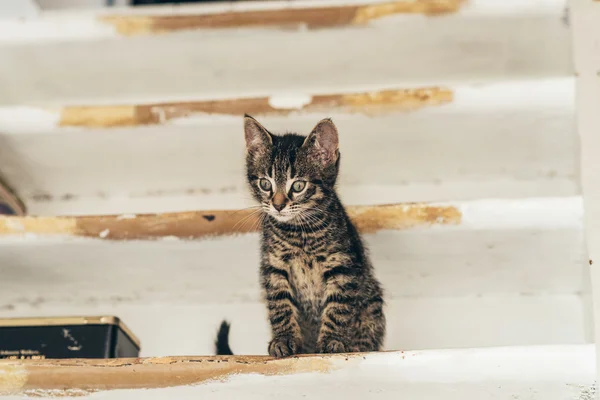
column 321, row 294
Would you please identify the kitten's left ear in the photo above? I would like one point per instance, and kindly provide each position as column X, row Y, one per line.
column 323, row 142
column 257, row 137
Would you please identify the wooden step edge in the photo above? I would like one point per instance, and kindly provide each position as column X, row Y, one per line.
column 299, row 15
column 535, row 95
column 371, row 102
column 489, row 214
column 94, row 375
column 87, row 375
column 311, row 17
column 199, row 224
column 83, row 25
column 570, row 365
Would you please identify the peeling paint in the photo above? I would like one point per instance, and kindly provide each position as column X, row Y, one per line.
column 504, row 372
column 12, row 379
column 297, row 102
column 160, row 113
column 373, row 219
column 312, row 18
column 15, row 225
column 427, row 7
column 126, row 216
column 193, row 225
column 38, row 225
column 51, row 377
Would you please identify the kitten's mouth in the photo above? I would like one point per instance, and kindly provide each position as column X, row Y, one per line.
column 282, row 217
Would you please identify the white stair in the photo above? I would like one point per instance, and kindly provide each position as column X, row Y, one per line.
column 546, row 372
column 121, row 130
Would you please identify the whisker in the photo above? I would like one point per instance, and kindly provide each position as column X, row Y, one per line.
column 245, row 219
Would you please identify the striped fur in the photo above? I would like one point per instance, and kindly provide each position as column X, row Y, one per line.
column 319, row 286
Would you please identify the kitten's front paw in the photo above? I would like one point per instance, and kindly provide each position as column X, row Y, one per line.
column 332, row 346
column 284, row 346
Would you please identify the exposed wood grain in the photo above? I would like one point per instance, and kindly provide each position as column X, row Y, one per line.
column 312, row 17
column 198, row 224
column 159, row 113
column 74, row 377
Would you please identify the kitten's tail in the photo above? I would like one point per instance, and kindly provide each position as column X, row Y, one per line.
column 222, row 342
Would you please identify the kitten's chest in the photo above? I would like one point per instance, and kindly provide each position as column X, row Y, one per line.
column 306, row 279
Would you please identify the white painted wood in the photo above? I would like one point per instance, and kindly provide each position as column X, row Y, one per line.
column 52, row 26
column 226, row 63
column 168, row 328
column 547, row 372
column 508, row 140
column 12, row 9
column 586, row 34
column 499, row 247
column 512, row 273
column 455, row 263
column 351, row 194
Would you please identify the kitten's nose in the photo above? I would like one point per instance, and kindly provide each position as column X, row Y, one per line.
column 278, row 201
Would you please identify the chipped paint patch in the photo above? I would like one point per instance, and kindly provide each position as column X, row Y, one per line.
column 407, row 99
column 194, row 225
column 504, row 372
column 290, row 102
column 99, row 116
column 426, row 7
column 373, row 219
column 155, row 114
column 12, row 379
column 312, row 18
column 37, row 225
column 51, row 377
column 126, row 216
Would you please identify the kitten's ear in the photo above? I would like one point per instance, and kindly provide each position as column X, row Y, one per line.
column 322, row 143
column 257, row 137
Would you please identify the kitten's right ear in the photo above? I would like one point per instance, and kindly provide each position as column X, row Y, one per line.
column 257, row 137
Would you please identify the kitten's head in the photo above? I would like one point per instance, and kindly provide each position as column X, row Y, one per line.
column 292, row 176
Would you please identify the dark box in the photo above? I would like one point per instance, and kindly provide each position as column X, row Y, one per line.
column 70, row 337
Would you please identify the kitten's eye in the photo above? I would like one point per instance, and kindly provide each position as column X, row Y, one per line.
column 298, row 186
column 265, row 184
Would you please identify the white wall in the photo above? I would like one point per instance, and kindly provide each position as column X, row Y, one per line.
column 18, row 9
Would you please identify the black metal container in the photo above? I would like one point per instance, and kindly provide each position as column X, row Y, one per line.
column 67, row 337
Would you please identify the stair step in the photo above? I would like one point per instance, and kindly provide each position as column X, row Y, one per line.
column 500, row 140
column 418, row 322
column 492, row 246
column 551, row 373
column 526, row 257
column 504, row 42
